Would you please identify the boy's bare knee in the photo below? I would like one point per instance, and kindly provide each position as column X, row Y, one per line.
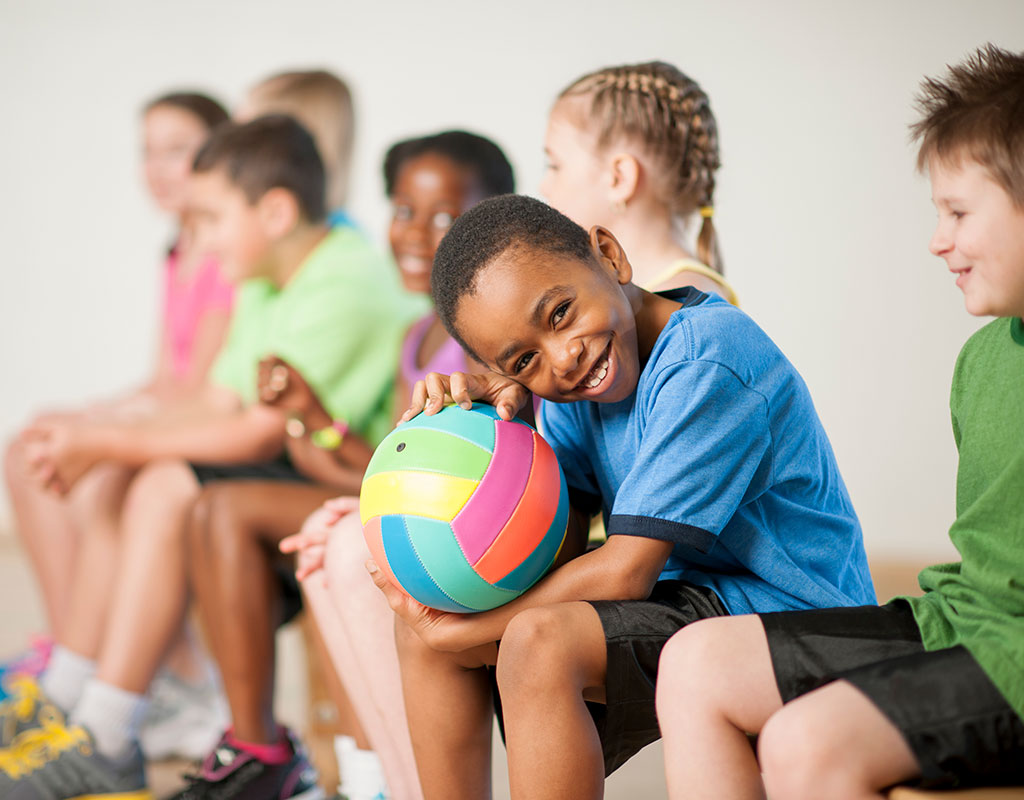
column 536, row 649
column 794, row 755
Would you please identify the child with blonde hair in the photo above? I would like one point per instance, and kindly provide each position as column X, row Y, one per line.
column 322, row 102
column 635, row 148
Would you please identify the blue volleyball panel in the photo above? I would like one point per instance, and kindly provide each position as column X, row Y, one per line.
column 477, row 428
column 443, row 560
column 407, row 567
column 534, row 566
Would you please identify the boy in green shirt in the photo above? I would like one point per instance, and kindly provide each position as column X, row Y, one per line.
column 927, row 689
column 328, row 305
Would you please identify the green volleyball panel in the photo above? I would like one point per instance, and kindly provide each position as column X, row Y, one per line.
column 444, row 561
column 427, row 450
column 477, row 428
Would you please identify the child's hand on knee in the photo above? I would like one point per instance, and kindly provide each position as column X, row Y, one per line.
column 310, row 543
column 59, row 453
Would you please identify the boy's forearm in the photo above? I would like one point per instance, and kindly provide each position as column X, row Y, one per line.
column 625, row 568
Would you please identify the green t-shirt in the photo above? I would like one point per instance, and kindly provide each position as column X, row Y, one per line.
column 979, row 602
column 339, row 321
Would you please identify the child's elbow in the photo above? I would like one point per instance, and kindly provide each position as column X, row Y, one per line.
column 632, row 584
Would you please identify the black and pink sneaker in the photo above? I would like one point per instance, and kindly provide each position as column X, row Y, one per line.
column 229, row 773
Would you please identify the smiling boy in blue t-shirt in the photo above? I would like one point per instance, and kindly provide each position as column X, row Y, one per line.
column 677, row 417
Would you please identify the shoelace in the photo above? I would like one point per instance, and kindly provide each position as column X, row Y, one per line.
column 33, row 749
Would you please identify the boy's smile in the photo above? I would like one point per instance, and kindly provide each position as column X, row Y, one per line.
column 980, row 234
column 564, row 329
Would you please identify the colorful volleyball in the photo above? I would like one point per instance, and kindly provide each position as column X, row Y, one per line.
column 462, row 510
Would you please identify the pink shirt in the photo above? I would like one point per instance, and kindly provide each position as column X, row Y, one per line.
column 185, row 305
column 448, row 359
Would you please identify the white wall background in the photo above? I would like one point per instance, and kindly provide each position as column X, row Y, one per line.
column 823, row 221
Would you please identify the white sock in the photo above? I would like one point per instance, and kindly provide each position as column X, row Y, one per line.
column 112, row 716
column 65, row 676
column 362, row 777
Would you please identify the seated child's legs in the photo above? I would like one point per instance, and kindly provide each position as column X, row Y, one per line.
column 715, row 683
column 833, row 742
column 236, row 574
column 150, row 598
column 933, row 715
column 448, row 703
column 358, row 629
column 551, row 661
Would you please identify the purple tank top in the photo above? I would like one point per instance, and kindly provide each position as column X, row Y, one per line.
column 449, row 357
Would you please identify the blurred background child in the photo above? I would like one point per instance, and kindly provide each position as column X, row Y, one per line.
column 315, row 296
column 430, row 182
column 195, row 314
column 322, row 102
column 635, row 149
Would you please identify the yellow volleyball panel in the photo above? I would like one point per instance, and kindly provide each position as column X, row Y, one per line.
column 425, row 494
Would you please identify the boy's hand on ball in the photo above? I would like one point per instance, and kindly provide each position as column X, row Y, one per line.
column 435, row 628
column 436, row 390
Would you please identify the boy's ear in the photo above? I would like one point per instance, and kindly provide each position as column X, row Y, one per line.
column 624, row 179
column 610, row 254
column 279, row 212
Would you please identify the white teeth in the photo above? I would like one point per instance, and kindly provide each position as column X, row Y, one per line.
column 599, row 372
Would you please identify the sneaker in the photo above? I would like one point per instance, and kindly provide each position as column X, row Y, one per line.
column 30, row 663
column 183, row 719
column 57, row 761
column 229, row 773
column 25, row 708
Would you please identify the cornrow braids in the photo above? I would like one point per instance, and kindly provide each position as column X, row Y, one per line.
column 670, row 116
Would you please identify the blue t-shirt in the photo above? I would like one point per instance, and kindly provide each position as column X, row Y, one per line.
column 720, row 451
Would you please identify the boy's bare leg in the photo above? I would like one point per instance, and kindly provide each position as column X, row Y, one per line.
column 450, row 712
column 715, row 684
column 358, row 628
column 233, row 537
column 551, row 660
column 150, row 598
column 833, row 742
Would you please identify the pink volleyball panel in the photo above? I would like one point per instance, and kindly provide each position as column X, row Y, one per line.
column 497, row 495
column 532, row 519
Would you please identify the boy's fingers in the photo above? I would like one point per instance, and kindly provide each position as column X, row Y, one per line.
column 418, row 402
column 343, row 505
column 437, row 390
column 459, row 385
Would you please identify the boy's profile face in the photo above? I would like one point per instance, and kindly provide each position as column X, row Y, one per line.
column 562, row 328
column 228, row 225
column 980, row 234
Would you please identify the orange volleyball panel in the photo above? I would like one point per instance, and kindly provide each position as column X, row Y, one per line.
column 530, row 520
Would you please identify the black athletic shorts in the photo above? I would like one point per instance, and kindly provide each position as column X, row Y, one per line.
column 635, row 632
column 278, row 469
column 959, row 727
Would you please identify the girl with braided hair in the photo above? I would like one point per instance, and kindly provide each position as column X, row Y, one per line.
column 635, row 149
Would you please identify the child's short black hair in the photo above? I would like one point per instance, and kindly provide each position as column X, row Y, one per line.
column 485, row 232
column 267, row 153
column 476, row 153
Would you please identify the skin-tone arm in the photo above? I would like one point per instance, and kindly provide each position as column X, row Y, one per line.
column 280, row 386
column 625, row 567
column 218, row 431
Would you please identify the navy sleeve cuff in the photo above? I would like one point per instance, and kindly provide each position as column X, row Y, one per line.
column 654, row 528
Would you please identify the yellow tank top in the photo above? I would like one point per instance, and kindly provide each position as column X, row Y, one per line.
column 694, row 266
